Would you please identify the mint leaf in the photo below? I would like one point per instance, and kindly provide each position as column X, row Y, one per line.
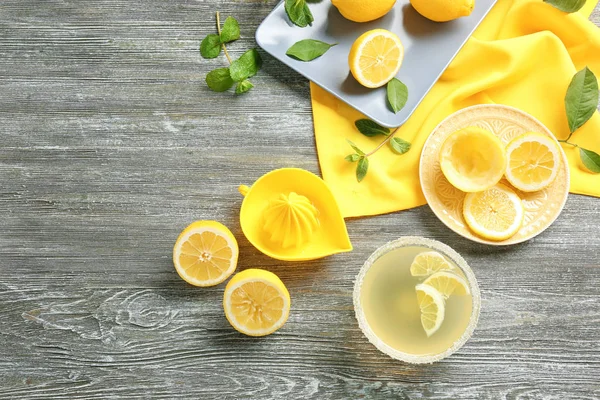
column 581, row 100
column 243, row 87
column 219, row 80
column 355, row 147
column 352, row 157
column 370, row 128
column 568, row 6
column 590, row 159
column 362, row 168
column 308, row 49
column 210, row 46
column 246, row 66
column 397, row 94
column 299, row 13
column 230, row 31
column 400, row 146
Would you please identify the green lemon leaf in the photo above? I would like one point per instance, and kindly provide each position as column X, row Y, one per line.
column 355, row 147
column 400, row 146
column 230, row 31
column 590, row 159
column 362, row 168
column 397, row 94
column 352, row 157
column 246, row 66
column 219, row 80
column 210, row 46
column 299, row 13
column 568, row 6
column 243, row 87
column 370, row 128
column 581, row 100
column 308, row 49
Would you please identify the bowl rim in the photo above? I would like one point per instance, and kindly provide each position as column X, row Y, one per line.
column 408, row 241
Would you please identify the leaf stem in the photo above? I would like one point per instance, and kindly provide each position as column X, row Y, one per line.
column 566, row 141
column 222, row 44
column 387, row 139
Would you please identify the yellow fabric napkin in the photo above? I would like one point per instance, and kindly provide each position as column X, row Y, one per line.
column 524, row 54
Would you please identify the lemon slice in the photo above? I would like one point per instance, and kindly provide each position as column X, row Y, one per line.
column 432, row 307
column 495, row 214
column 428, row 263
column 256, row 302
column 473, row 159
column 533, row 161
column 375, row 57
column 205, row 253
column 448, row 283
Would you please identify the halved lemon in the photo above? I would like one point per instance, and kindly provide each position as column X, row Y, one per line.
column 533, row 161
column 448, row 283
column 431, row 303
column 375, row 57
column 473, row 159
column 256, row 302
column 205, row 253
column 429, row 262
column 495, row 214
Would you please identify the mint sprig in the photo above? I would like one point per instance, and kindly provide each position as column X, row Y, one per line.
column 299, row 13
column 371, row 129
column 397, row 95
column 308, row 49
column 222, row 79
column 581, row 102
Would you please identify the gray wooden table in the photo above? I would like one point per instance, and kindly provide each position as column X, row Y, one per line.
column 111, row 144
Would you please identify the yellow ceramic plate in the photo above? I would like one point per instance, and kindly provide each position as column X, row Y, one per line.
column 541, row 208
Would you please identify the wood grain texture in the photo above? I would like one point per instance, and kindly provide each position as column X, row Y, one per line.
column 111, row 144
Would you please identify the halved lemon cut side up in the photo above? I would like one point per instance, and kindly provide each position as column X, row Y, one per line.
column 494, row 214
column 533, row 161
column 375, row 57
column 473, row 159
column 256, row 302
column 205, row 253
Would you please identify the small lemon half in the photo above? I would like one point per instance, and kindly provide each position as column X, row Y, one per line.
column 473, row 159
column 256, row 302
column 205, row 253
column 375, row 57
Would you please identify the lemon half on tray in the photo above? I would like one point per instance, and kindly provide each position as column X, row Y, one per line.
column 512, row 127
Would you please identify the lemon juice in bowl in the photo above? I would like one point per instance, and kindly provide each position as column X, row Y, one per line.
column 416, row 300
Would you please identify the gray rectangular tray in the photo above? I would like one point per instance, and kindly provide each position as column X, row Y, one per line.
column 429, row 48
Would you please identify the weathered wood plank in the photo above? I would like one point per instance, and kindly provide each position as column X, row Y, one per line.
column 111, row 144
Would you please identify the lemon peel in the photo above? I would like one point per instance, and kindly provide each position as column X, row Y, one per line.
column 290, row 214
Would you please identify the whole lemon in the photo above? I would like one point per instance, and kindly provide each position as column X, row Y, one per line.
column 363, row 11
column 443, row 10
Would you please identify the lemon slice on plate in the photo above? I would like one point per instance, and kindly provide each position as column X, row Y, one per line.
column 431, row 303
column 533, row 161
column 428, row 263
column 205, row 253
column 375, row 57
column 256, row 302
column 473, row 159
column 448, row 283
column 495, row 214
